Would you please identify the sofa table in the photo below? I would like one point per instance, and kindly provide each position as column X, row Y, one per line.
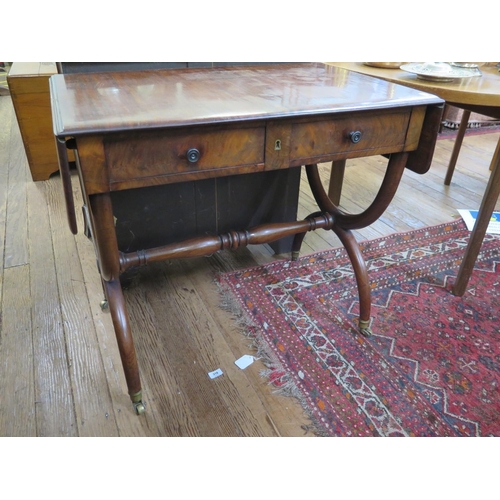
column 136, row 129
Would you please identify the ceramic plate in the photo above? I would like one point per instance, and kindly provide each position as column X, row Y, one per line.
column 439, row 72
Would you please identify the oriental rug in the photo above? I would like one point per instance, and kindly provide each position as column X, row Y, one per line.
column 432, row 364
column 448, row 133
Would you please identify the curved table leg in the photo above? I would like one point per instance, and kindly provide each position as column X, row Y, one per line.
column 388, row 188
column 125, row 342
column 344, row 223
column 362, row 280
column 102, row 220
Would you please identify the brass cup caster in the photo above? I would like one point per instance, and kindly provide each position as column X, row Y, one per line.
column 139, row 408
column 364, row 328
column 139, row 405
column 104, row 305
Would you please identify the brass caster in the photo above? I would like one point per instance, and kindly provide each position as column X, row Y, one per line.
column 364, row 328
column 295, row 256
column 366, row 332
column 104, row 305
column 139, row 408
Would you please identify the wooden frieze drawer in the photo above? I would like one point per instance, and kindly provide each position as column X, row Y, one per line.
column 335, row 138
column 181, row 156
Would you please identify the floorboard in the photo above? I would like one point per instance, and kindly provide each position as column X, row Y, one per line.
column 16, row 225
column 17, row 387
column 54, row 399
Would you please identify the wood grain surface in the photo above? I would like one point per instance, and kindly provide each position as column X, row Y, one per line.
column 106, row 102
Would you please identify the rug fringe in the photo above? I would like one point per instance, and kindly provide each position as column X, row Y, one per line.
column 258, row 344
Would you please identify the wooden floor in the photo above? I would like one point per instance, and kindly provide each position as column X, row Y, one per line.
column 60, row 372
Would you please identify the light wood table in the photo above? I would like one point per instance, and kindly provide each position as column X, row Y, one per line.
column 477, row 94
column 29, row 89
column 138, row 129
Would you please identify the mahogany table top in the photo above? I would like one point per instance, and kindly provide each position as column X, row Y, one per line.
column 120, row 101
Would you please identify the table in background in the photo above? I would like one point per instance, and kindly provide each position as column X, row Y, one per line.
column 133, row 130
column 476, row 94
column 29, row 89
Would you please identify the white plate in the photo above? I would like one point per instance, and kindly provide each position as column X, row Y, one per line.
column 439, row 72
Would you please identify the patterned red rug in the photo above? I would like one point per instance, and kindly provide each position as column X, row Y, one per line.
column 432, row 365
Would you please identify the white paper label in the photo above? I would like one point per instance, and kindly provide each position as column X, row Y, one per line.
column 215, row 373
column 244, row 361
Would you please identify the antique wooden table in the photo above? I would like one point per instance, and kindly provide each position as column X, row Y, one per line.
column 135, row 129
column 477, row 94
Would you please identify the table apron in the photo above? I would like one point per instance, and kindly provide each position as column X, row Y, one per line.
column 149, row 158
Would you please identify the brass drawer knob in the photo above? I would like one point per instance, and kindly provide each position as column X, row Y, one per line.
column 355, row 136
column 193, row 155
